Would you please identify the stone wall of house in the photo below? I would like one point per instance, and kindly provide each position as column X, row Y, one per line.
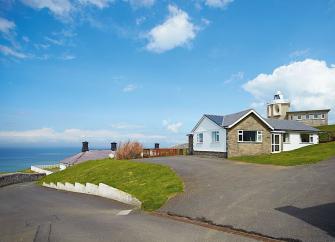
column 250, row 123
column 211, row 154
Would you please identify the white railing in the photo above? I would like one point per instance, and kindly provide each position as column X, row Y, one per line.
column 47, row 166
column 44, row 168
column 40, row 170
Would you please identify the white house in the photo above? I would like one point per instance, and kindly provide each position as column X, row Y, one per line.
column 248, row 133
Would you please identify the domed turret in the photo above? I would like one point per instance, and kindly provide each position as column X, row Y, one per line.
column 278, row 107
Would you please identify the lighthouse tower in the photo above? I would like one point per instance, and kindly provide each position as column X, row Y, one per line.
column 278, row 107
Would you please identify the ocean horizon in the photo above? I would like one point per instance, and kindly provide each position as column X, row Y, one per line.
column 16, row 159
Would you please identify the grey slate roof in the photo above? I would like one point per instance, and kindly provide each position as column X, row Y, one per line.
column 86, row 156
column 292, row 125
column 227, row 120
column 215, row 118
column 232, row 118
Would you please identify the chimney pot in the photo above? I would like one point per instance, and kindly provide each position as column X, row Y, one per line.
column 113, row 146
column 85, row 147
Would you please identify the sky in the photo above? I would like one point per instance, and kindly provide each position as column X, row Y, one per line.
column 147, row 70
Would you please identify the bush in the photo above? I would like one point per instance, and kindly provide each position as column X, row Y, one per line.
column 129, row 150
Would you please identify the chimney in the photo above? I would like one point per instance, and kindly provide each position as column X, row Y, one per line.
column 156, row 145
column 113, row 146
column 85, row 147
column 190, row 144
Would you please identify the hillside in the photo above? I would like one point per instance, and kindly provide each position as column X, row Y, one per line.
column 329, row 134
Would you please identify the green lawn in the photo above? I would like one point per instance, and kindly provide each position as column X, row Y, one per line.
column 306, row 155
column 152, row 184
column 53, row 169
column 27, row 171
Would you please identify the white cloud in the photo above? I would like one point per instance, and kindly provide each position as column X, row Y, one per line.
column 309, row 84
column 235, row 77
column 299, row 53
column 129, row 88
column 54, row 41
column 6, row 26
column 98, row 3
column 126, row 126
column 177, row 30
column 140, row 20
column 58, row 7
column 7, row 51
column 141, row 3
column 67, row 57
column 48, row 135
column 173, row 127
column 218, row 3
column 25, row 39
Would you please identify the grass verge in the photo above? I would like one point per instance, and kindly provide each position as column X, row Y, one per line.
column 306, row 155
column 27, row 171
column 152, row 184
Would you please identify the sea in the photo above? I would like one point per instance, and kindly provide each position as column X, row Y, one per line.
column 16, row 159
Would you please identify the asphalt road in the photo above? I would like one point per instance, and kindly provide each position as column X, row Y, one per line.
column 282, row 202
column 32, row 213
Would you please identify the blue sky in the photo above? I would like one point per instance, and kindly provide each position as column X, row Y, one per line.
column 147, row 70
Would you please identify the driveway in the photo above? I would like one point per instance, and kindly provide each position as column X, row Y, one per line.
column 32, row 213
column 282, row 202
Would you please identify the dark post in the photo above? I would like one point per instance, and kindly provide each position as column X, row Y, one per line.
column 85, row 146
column 190, row 144
column 156, row 145
column 113, row 146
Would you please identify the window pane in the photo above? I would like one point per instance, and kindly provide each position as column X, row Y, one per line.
column 286, row 137
column 304, row 138
column 249, row 135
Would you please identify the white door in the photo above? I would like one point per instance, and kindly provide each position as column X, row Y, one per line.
column 275, row 143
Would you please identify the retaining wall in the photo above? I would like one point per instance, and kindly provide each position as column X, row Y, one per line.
column 8, row 179
column 101, row 190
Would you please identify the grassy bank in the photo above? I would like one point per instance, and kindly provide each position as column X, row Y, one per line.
column 329, row 133
column 152, row 184
column 305, row 155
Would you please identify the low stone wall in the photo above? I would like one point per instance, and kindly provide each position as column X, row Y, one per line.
column 8, row 179
column 211, row 154
column 101, row 190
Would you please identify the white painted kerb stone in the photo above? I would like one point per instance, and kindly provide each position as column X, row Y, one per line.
column 102, row 190
column 118, row 195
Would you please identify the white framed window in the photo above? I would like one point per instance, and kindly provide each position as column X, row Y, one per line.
column 316, row 116
column 215, row 136
column 311, row 138
column 307, row 116
column 200, row 138
column 299, row 117
column 240, row 136
column 259, row 136
column 323, row 116
column 306, row 138
column 286, row 138
column 311, row 116
column 249, row 136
